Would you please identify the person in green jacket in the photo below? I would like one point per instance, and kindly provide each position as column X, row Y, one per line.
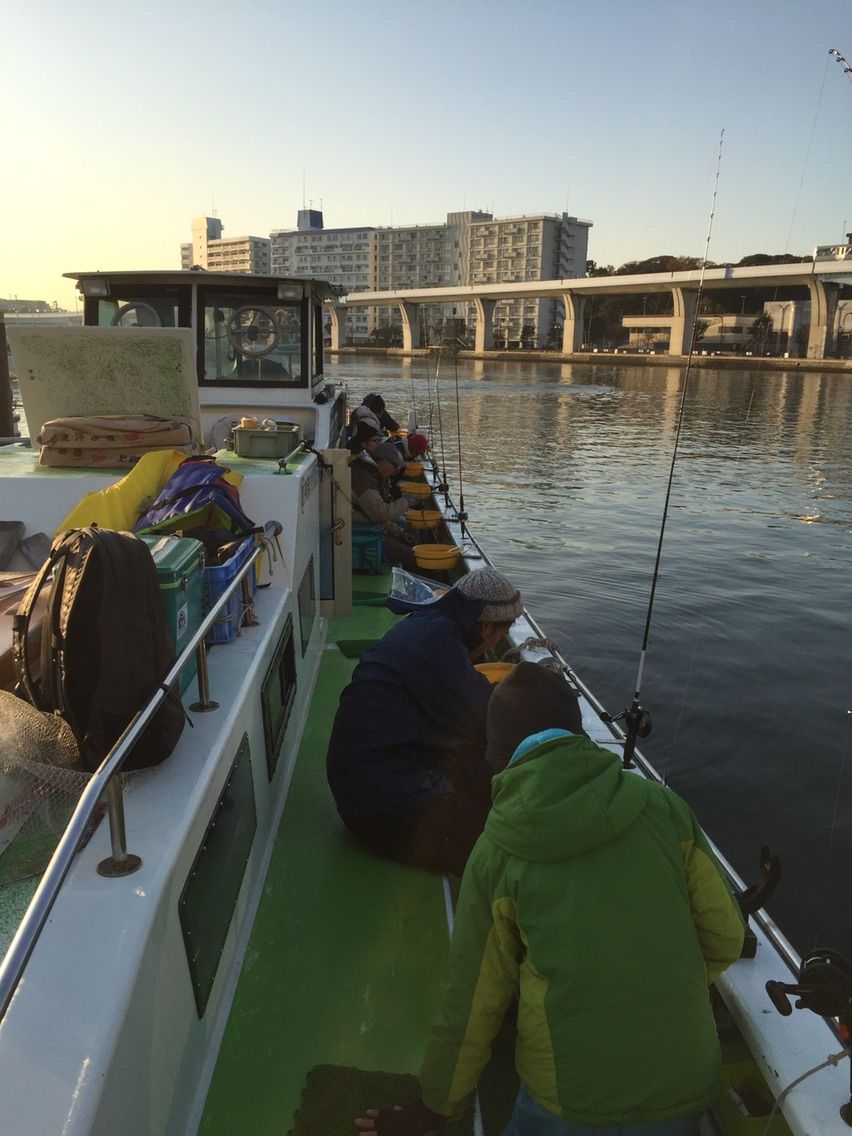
column 593, row 898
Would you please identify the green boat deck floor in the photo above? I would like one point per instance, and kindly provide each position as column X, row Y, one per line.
column 346, row 957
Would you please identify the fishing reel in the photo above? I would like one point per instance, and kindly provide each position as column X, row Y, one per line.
column 825, row 987
column 638, row 724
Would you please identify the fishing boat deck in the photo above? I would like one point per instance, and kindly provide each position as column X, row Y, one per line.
column 346, row 957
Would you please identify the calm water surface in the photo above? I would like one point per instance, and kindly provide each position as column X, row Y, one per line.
column 748, row 674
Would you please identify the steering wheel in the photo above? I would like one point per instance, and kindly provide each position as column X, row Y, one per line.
column 253, row 331
column 146, row 316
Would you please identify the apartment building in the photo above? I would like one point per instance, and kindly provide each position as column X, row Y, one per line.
column 209, row 249
column 538, row 247
column 476, row 248
column 341, row 256
column 469, row 247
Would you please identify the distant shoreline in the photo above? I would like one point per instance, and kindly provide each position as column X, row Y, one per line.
column 627, row 358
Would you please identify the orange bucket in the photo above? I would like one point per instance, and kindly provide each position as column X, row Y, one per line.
column 416, row 489
column 495, row 672
column 437, row 556
column 424, row 518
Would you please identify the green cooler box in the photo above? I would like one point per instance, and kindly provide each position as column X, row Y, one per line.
column 180, row 569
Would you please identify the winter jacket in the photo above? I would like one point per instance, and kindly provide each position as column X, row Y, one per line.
column 415, row 705
column 372, row 498
column 592, row 895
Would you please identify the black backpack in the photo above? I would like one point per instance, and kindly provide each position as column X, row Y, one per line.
column 105, row 645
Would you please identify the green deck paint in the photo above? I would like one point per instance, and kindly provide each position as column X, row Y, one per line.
column 346, row 958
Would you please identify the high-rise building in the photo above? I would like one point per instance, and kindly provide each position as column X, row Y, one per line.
column 341, row 256
column 209, row 249
column 538, row 247
column 470, row 247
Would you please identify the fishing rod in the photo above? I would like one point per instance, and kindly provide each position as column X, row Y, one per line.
column 636, row 718
column 461, row 514
column 444, row 486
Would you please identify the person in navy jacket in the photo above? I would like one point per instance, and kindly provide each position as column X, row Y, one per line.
column 406, row 759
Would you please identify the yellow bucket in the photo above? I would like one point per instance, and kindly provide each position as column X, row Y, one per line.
column 437, row 556
column 413, row 469
column 416, row 489
column 423, row 518
column 495, row 672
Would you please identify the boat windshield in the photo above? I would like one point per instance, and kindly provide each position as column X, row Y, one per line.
column 246, row 336
column 251, row 342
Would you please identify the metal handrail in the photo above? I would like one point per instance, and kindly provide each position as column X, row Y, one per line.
column 22, row 945
column 785, row 949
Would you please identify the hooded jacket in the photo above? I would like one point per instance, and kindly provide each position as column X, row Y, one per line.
column 372, row 497
column 414, row 707
column 592, row 895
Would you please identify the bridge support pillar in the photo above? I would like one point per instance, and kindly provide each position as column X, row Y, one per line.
column 823, row 314
column 338, row 326
column 484, row 337
column 572, row 328
column 683, row 323
column 410, row 324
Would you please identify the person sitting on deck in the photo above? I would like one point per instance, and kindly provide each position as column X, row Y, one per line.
column 375, row 500
column 406, row 759
column 594, row 898
column 364, row 437
column 372, row 410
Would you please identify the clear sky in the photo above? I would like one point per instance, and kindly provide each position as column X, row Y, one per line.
column 124, row 120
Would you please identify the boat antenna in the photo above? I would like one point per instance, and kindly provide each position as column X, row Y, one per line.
column 637, row 719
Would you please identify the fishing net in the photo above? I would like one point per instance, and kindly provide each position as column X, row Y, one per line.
column 39, row 787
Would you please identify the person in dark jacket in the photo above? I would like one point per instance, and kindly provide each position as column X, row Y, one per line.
column 376, row 500
column 372, row 410
column 406, row 759
column 594, row 899
column 365, row 436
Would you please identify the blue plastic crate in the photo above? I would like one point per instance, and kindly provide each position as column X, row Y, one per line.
column 216, row 579
column 366, row 548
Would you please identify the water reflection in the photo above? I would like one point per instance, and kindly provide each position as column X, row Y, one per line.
column 564, row 469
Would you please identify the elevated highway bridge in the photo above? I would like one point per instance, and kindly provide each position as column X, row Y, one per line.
column 823, row 280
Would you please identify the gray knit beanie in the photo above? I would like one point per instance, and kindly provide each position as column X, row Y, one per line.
column 387, row 451
column 503, row 603
column 531, row 698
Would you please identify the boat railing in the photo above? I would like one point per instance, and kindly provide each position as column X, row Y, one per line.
column 767, row 924
column 104, row 782
column 770, row 928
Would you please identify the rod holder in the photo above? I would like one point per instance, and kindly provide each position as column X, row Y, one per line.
column 205, row 702
column 121, row 862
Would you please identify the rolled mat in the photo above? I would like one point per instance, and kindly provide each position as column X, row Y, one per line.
column 335, row 1094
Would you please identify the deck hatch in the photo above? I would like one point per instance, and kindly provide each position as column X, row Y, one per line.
column 210, row 893
column 277, row 694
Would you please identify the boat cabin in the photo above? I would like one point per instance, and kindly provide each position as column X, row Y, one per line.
column 256, row 340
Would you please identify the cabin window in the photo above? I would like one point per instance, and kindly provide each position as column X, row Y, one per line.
column 139, row 309
column 209, row 896
column 277, row 694
column 307, row 605
column 247, row 341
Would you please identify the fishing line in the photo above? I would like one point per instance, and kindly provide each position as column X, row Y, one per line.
column 443, row 487
column 701, row 613
column 808, row 148
column 637, row 720
column 460, row 512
